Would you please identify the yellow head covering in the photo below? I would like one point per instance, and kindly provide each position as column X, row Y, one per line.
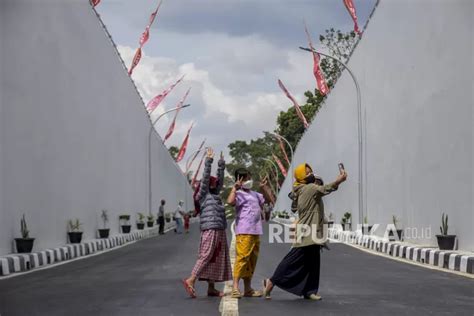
column 300, row 174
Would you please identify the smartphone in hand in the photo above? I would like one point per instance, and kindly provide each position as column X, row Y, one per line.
column 341, row 167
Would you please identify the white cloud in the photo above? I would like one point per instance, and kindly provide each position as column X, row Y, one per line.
column 224, row 106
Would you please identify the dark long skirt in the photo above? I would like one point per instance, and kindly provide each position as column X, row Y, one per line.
column 298, row 272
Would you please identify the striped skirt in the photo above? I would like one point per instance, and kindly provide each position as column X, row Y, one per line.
column 213, row 262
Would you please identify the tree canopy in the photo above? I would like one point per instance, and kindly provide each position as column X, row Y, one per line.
column 252, row 154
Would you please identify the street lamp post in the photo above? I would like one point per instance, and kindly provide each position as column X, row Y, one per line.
column 149, row 150
column 292, row 155
column 276, row 172
column 289, row 145
column 359, row 129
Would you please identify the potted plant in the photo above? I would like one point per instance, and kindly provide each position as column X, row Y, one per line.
column 366, row 228
column 330, row 220
column 150, row 220
column 346, row 221
column 445, row 241
column 395, row 222
column 364, row 225
column 104, row 232
column 168, row 217
column 75, row 233
column 25, row 243
column 141, row 221
column 124, row 221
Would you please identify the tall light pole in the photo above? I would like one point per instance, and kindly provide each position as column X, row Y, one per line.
column 276, row 172
column 359, row 130
column 289, row 145
column 149, row 150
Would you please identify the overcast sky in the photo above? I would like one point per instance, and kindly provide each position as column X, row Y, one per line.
column 232, row 53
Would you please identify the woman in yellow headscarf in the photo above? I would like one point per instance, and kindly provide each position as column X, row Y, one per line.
column 298, row 272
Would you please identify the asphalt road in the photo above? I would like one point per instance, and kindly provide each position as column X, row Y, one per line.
column 143, row 279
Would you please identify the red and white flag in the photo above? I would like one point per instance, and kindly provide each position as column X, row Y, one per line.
column 280, row 165
column 143, row 39
column 146, row 34
column 297, row 106
column 153, row 104
column 198, row 170
column 283, row 150
column 352, row 11
column 195, row 155
column 184, row 146
column 136, row 60
column 318, row 74
column 153, row 15
column 95, row 2
column 173, row 123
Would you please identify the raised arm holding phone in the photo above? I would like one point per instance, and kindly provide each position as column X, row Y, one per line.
column 298, row 272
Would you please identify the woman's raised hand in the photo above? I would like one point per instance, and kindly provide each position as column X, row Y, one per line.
column 210, row 152
column 238, row 183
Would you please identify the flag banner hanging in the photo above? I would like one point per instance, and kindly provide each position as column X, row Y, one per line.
column 146, row 34
column 95, row 2
column 153, row 15
column 136, row 60
column 352, row 11
column 143, row 39
column 153, row 104
column 173, row 123
column 198, row 170
column 195, row 155
column 297, row 106
column 283, row 150
column 184, row 146
column 280, row 165
column 318, row 74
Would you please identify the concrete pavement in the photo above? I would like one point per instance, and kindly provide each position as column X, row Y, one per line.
column 143, row 279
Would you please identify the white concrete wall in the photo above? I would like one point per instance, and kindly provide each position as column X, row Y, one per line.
column 415, row 68
column 73, row 128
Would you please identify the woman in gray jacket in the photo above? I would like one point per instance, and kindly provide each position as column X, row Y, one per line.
column 213, row 264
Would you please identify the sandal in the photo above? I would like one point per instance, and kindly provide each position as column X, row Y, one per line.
column 215, row 294
column 313, row 297
column 189, row 288
column 253, row 293
column 266, row 294
column 235, row 293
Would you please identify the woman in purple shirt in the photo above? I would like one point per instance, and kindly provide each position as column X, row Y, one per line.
column 248, row 228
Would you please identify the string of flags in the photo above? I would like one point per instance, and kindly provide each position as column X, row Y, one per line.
column 184, row 146
column 173, row 122
column 295, row 104
column 155, row 102
column 143, row 39
column 352, row 11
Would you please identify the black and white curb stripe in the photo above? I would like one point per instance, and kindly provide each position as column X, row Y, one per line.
column 442, row 259
column 24, row 262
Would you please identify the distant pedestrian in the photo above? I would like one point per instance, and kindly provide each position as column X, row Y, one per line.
column 298, row 272
column 161, row 218
column 178, row 218
column 213, row 263
column 186, row 222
